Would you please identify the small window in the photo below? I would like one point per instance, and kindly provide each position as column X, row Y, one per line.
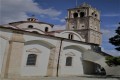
column 30, row 26
column 70, row 36
column 73, row 27
column 46, row 29
column 95, row 15
column 78, row 10
column 69, row 61
column 35, row 32
column 82, row 26
column 31, row 60
column 82, row 14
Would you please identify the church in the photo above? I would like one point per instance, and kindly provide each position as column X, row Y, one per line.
column 31, row 48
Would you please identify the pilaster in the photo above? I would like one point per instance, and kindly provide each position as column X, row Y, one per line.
column 13, row 57
column 51, row 62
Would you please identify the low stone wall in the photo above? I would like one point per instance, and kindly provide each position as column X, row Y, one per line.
column 113, row 70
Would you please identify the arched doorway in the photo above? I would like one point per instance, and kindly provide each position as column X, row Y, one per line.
column 91, row 68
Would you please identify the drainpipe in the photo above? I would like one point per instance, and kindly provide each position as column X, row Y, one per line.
column 58, row 62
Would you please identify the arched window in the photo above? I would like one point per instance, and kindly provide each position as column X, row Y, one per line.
column 82, row 14
column 46, row 29
column 30, row 26
column 70, row 36
column 31, row 60
column 75, row 15
column 69, row 61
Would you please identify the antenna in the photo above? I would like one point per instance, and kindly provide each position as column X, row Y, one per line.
column 76, row 2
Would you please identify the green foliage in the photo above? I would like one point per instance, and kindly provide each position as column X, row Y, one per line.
column 112, row 61
column 116, row 39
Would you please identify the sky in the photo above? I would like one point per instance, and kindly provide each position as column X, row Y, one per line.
column 55, row 12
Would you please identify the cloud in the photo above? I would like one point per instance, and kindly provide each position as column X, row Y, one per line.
column 109, row 30
column 111, row 25
column 62, row 20
column 111, row 15
column 105, row 31
column 108, row 48
column 15, row 10
column 59, row 27
column 58, row 19
column 106, row 34
column 55, row 18
column 113, row 52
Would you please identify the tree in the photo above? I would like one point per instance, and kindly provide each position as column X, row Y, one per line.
column 111, row 60
column 116, row 39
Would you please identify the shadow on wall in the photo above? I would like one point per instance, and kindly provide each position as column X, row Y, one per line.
column 40, row 42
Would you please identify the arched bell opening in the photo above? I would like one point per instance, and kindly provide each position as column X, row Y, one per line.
column 75, row 15
column 82, row 14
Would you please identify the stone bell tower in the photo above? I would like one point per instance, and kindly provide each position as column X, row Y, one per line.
column 85, row 20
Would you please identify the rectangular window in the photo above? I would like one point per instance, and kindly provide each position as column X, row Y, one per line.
column 69, row 61
column 31, row 60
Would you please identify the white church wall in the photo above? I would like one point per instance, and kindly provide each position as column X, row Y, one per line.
column 76, row 68
column 40, row 68
column 45, row 43
column 35, row 25
column 4, row 43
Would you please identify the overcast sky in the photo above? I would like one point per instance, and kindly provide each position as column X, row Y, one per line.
column 55, row 11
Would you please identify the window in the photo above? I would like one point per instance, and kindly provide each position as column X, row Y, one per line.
column 82, row 26
column 78, row 10
column 95, row 15
column 75, row 15
column 31, row 60
column 69, row 61
column 73, row 27
column 30, row 26
column 46, row 29
column 35, row 32
column 70, row 36
column 82, row 14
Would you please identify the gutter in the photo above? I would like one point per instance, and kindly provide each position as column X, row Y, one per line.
column 58, row 62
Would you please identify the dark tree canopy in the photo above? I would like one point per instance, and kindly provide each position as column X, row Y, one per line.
column 112, row 61
column 116, row 39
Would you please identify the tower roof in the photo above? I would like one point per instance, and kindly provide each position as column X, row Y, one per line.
column 85, row 5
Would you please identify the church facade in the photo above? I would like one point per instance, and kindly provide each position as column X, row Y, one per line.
column 31, row 49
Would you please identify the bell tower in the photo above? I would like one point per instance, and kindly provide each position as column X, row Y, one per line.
column 85, row 20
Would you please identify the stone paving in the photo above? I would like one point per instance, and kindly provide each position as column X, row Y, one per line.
column 65, row 78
